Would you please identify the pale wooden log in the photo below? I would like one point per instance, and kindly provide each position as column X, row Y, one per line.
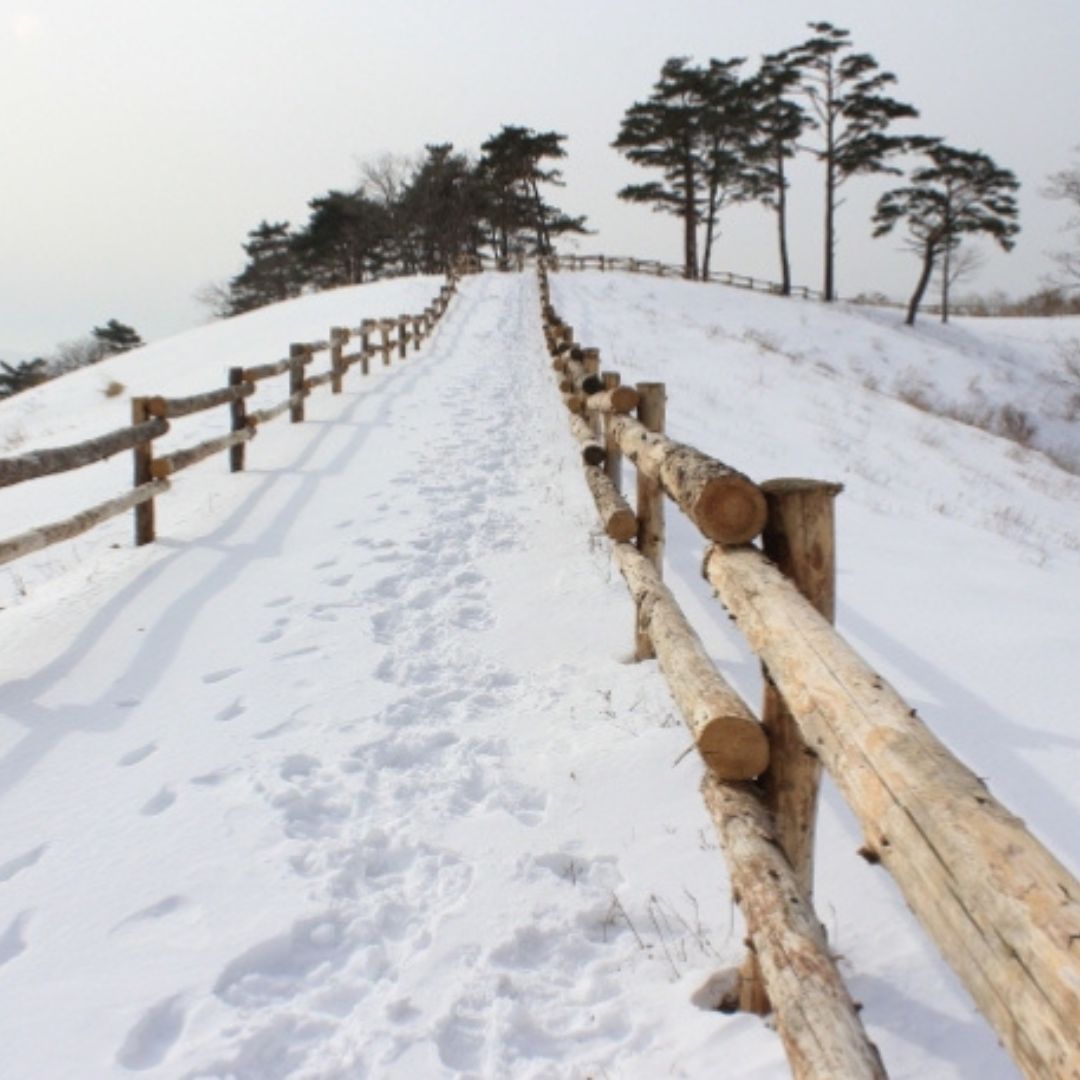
column 1003, row 911
column 592, row 453
column 652, row 409
column 613, row 464
column 44, row 536
column 818, row 1022
column 417, row 335
column 297, row 353
column 266, row 371
column 338, row 336
column 142, row 454
column 60, row 459
column 384, row 341
column 725, row 505
column 620, row 522
column 402, row 337
column 238, row 418
column 799, row 537
column 168, row 464
column 264, row 416
column 732, row 743
column 170, row 408
column 619, row 399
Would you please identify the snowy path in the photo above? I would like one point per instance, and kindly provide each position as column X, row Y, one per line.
column 348, row 778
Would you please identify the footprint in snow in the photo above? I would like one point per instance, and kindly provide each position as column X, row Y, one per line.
column 21, row 862
column 127, row 703
column 159, row 803
column 340, row 581
column 154, row 1035
column 279, row 601
column 307, row 650
column 231, row 712
column 220, row 676
column 325, row 565
column 13, row 939
column 298, row 766
column 140, row 753
column 159, row 910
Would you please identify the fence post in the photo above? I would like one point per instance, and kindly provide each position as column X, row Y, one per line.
column 238, row 417
column 384, row 342
column 613, row 461
column 417, row 335
column 143, row 473
column 800, row 537
column 651, row 410
column 402, row 336
column 338, row 337
column 590, row 363
column 297, row 354
column 365, row 346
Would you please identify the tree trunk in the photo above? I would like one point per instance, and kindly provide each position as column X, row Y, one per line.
column 690, row 221
column 781, row 222
column 710, row 229
column 924, row 280
column 946, row 260
column 830, row 218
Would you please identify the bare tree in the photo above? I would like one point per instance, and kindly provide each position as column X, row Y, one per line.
column 1065, row 186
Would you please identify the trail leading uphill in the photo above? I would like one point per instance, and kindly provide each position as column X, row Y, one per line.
column 347, row 775
column 339, row 787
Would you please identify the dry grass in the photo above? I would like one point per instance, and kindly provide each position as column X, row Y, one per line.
column 113, row 388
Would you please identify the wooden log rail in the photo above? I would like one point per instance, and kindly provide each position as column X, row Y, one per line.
column 151, row 416
column 816, row 1018
column 1004, row 912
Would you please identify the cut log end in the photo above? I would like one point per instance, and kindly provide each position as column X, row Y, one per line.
column 622, row 525
column 733, row 747
column 730, row 510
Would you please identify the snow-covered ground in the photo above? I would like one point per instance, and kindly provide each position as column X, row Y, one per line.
column 348, row 775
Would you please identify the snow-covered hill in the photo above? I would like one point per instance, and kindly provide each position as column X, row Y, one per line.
column 348, row 774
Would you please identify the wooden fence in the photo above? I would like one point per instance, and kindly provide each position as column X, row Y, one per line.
column 151, row 416
column 1003, row 911
column 738, row 281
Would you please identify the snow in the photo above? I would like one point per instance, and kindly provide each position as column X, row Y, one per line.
column 350, row 775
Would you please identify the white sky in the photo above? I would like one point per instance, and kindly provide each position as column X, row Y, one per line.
column 141, row 139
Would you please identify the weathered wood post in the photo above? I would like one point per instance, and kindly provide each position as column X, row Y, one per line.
column 652, row 412
column 402, row 336
column 613, row 461
column 365, row 346
column 143, row 454
column 238, row 420
column 338, row 336
column 800, row 537
column 384, row 341
column 297, row 355
column 417, row 336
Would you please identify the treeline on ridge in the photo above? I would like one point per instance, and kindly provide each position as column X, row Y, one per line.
column 416, row 219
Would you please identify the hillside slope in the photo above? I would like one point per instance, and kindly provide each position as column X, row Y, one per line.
column 348, row 775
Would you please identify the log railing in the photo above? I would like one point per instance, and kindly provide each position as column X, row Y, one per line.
column 738, row 281
column 151, row 416
column 1003, row 911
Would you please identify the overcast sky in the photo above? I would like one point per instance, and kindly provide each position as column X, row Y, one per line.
column 142, row 139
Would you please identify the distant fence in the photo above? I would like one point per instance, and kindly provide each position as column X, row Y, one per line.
column 1003, row 911
column 151, row 416
column 739, row 281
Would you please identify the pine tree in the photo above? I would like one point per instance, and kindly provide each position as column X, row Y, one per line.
column 272, row 272
column 14, row 378
column 845, row 91
column 344, row 242
column 511, row 170
column 663, row 133
column 779, row 122
column 959, row 193
column 116, row 337
column 727, row 123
